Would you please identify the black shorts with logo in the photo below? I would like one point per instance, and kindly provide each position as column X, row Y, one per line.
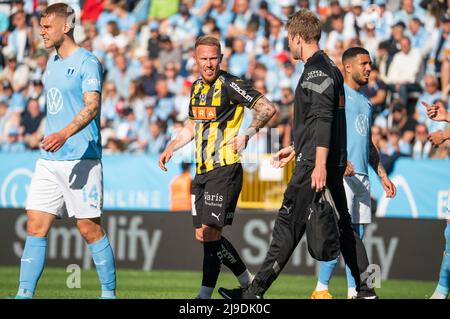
column 215, row 195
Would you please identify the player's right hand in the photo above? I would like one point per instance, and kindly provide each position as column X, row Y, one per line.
column 349, row 170
column 282, row 157
column 164, row 158
column 53, row 142
column 435, row 112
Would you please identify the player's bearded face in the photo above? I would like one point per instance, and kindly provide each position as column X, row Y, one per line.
column 208, row 58
column 361, row 68
column 294, row 47
column 52, row 31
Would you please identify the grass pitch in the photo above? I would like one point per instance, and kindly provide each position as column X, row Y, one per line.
column 135, row 284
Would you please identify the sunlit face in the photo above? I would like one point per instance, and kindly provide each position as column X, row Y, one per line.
column 53, row 29
column 208, row 59
column 359, row 68
column 295, row 46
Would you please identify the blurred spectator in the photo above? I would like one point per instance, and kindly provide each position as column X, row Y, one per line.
column 431, row 93
column 5, row 116
column 122, row 75
column 31, row 118
column 220, row 13
column 277, row 36
column 153, row 47
column 182, row 101
column 164, row 105
column 149, row 76
column 335, row 11
column 286, row 101
column 15, row 100
column 404, row 70
column 137, row 100
column 376, row 91
column 109, row 104
column 241, row 18
column 441, row 47
column 174, row 81
column 183, row 27
column 13, row 143
column 17, row 74
column 168, row 54
column 20, row 40
column 420, row 38
column 369, row 39
column 422, row 147
column 157, row 139
column 353, row 20
column 403, row 124
column 128, row 128
column 409, row 11
column 383, row 60
column 337, row 34
column 238, row 60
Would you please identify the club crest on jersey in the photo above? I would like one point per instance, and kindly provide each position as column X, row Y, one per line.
column 70, row 71
column 202, row 98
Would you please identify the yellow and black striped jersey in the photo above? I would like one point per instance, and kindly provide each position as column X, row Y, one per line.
column 218, row 110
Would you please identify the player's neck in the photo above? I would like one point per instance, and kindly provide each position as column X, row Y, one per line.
column 352, row 84
column 66, row 48
column 309, row 50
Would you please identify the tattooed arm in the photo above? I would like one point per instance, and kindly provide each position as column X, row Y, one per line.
column 374, row 160
column 264, row 112
column 55, row 141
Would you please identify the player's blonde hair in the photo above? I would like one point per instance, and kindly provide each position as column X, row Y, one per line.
column 306, row 25
column 208, row 40
column 62, row 10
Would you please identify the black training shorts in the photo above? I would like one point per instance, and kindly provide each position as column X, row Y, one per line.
column 215, row 195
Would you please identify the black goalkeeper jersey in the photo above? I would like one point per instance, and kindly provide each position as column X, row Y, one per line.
column 218, row 110
column 319, row 114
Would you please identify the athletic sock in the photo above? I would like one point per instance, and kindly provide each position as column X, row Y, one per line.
column 325, row 272
column 444, row 275
column 31, row 265
column 103, row 257
column 211, row 267
column 233, row 261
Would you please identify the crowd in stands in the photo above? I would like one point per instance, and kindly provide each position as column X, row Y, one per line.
column 146, row 47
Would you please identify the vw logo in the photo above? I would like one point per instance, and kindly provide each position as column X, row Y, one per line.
column 362, row 124
column 54, row 101
column 15, row 188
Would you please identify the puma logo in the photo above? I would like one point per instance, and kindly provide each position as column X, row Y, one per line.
column 217, row 216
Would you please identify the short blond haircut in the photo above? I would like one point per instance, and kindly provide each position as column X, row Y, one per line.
column 61, row 10
column 208, row 40
column 305, row 24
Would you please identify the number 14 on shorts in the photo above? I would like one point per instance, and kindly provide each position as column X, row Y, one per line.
column 91, row 196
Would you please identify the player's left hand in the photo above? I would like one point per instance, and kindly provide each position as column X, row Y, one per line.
column 436, row 138
column 349, row 170
column 54, row 142
column 389, row 187
column 239, row 143
column 319, row 178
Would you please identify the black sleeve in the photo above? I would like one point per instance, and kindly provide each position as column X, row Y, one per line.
column 242, row 92
column 320, row 87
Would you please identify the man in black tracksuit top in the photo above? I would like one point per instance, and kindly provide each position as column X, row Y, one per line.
column 320, row 150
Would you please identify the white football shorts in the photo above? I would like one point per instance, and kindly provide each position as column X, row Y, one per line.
column 357, row 191
column 72, row 186
column 447, row 214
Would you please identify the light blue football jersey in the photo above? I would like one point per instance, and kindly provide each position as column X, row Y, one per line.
column 65, row 81
column 358, row 114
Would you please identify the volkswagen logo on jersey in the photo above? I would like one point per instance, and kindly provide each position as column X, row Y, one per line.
column 70, row 71
column 54, row 101
column 362, row 124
